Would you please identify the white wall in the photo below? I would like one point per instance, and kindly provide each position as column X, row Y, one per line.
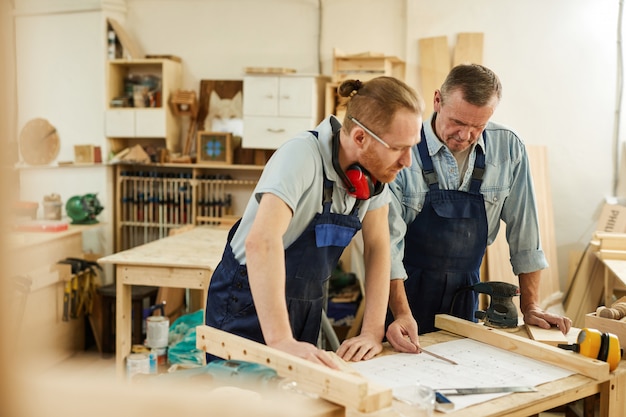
column 557, row 63
column 556, row 59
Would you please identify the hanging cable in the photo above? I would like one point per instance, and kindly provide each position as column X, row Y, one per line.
column 618, row 103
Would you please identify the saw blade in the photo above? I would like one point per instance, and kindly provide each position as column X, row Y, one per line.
column 484, row 390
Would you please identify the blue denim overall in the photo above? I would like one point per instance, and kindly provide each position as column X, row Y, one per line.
column 309, row 262
column 444, row 247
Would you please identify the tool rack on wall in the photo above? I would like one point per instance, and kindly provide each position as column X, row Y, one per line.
column 153, row 199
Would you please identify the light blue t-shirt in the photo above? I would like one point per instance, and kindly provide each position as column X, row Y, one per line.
column 294, row 173
column 507, row 189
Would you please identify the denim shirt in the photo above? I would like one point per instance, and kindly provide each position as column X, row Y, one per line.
column 507, row 189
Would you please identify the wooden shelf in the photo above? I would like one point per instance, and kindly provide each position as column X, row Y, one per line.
column 152, row 199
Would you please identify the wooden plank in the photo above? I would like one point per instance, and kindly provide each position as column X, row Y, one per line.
column 167, row 277
column 201, row 247
column 611, row 241
column 434, row 66
column 538, row 158
column 552, row 336
column 131, row 48
column 336, row 386
column 468, row 48
column 592, row 368
column 616, row 255
column 498, row 257
column 586, row 289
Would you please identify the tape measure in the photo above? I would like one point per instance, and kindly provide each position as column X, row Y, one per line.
column 597, row 345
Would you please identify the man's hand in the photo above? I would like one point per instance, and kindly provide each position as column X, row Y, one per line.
column 306, row 351
column 536, row 316
column 362, row 347
column 402, row 334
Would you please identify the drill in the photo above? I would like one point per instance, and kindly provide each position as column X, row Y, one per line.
column 501, row 313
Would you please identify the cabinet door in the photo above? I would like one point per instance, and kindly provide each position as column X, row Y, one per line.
column 119, row 123
column 296, row 97
column 150, row 123
column 271, row 132
column 260, row 96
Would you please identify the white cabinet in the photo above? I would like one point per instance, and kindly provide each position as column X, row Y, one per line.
column 127, row 119
column 138, row 123
column 275, row 108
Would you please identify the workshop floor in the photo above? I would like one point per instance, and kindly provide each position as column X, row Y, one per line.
column 89, row 364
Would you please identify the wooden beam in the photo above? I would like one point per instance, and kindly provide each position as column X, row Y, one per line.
column 498, row 263
column 434, row 65
column 592, row 368
column 611, row 241
column 587, row 287
column 468, row 48
column 339, row 387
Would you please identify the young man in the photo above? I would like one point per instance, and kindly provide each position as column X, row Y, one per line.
column 467, row 174
column 315, row 193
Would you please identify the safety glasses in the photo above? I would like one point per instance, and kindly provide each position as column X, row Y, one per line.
column 369, row 132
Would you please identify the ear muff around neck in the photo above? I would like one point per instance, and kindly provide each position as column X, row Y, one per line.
column 357, row 180
column 364, row 185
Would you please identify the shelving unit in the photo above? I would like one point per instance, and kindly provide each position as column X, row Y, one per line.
column 150, row 200
column 129, row 121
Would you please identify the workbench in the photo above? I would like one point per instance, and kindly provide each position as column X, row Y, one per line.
column 37, row 308
column 363, row 396
column 185, row 260
column 548, row 396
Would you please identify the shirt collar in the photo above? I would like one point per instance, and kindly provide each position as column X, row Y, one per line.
column 433, row 142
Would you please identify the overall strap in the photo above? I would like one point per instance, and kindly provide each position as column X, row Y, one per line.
column 479, row 168
column 430, row 176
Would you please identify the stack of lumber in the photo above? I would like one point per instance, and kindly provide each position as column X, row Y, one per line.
column 590, row 286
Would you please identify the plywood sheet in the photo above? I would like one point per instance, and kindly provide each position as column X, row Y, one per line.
column 498, row 258
column 468, row 48
column 434, row 65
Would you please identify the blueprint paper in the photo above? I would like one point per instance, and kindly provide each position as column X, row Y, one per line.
column 479, row 365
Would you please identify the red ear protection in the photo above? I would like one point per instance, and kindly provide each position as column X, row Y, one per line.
column 358, row 182
column 363, row 186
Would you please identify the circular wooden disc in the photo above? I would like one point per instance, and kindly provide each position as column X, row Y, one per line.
column 39, row 142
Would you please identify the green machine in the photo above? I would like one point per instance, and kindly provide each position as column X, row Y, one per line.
column 83, row 209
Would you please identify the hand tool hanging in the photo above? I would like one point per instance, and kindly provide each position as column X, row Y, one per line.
column 80, row 291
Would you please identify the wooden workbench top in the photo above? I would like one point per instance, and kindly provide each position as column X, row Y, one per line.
column 19, row 240
column 201, row 247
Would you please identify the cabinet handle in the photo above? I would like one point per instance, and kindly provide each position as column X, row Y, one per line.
column 270, row 96
column 286, row 97
column 269, row 129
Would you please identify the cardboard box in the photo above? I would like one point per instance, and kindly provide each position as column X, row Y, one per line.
column 617, row 327
column 612, row 218
column 87, row 154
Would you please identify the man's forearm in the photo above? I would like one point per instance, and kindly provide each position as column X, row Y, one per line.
column 529, row 290
column 398, row 302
